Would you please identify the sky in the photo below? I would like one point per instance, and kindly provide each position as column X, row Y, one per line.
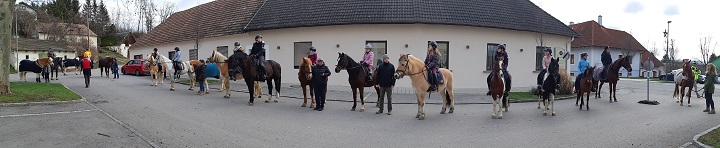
column 644, row 19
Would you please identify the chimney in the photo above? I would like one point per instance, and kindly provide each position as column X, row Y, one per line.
column 600, row 20
column 571, row 23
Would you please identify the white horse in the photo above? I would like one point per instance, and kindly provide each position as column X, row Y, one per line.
column 187, row 69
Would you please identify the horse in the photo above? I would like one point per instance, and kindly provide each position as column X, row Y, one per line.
column 105, row 64
column 187, row 69
column 240, row 60
column 56, row 67
column 612, row 76
column 497, row 90
column 155, row 71
column 586, row 84
column 684, row 78
column 71, row 63
column 357, row 78
column 549, row 87
column 222, row 65
column 36, row 67
column 417, row 71
column 304, row 75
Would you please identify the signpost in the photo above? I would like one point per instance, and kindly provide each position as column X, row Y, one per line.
column 648, row 65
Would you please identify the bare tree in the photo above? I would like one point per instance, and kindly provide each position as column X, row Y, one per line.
column 706, row 47
column 673, row 50
column 149, row 14
column 6, row 15
column 197, row 30
column 167, row 9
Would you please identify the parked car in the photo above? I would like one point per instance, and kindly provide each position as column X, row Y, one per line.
column 136, row 66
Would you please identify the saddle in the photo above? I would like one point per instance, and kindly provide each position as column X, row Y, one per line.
column 439, row 77
column 179, row 65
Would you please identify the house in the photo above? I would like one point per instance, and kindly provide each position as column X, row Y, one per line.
column 34, row 49
column 468, row 33
column 70, row 33
column 658, row 69
column 125, row 40
column 594, row 39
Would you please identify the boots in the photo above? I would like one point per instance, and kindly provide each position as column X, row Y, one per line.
column 706, row 110
column 712, row 111
column 433, row 87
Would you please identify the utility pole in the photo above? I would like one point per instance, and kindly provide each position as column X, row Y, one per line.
column 17, row 46
column 667, row 48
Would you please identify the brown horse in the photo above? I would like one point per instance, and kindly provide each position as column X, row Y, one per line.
column 357, row 78
column 37, row 67
column 683, row 79
column 155, row 71
column 586, row 84
column 416, row 69
column 498, row 88
column 248, row 65
column 104, row 64
column 612, row 76
column 304, row 75
column 224, row 75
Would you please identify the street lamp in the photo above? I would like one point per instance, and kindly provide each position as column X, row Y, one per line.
column 667, row 47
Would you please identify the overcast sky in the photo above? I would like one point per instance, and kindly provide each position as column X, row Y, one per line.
column 644, row 19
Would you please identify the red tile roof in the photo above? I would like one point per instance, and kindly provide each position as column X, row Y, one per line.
column 595, row 35
column 645, row 55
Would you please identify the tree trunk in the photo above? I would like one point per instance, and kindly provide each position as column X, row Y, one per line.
column 6, row 16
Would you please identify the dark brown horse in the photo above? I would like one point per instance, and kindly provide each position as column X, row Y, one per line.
column 249, row 71
column 586, row 84
column 304, row 75
column 105, row 64
column 356, row 78
column 498, row 88
column 683, row 79
column 612, row 76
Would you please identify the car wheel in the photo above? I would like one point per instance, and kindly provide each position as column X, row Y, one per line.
column 123, row 71
column 137, row 73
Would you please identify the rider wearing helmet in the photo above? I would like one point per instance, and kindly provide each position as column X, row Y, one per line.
column 606, row 60
column 368, row 61
column 177, row 62
column 238, row 48
column 582, row 66
column 312, row 55
column 501, row 52
column 432, row 62
column 258, row 51
column 545, row 64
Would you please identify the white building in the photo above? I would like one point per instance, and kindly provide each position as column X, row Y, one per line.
column 34, row 49
column 393, row 27
column 74, row 33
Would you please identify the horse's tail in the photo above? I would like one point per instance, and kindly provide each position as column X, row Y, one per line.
column 447, row 96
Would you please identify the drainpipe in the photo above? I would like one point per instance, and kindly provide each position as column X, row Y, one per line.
column 567, row 46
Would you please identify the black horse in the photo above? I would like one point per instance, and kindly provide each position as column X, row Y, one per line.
column 550, row 86
column 71, row 63
column 241, row 62
column 56, row 67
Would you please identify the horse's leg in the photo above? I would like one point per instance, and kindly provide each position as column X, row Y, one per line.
column 494, row 105
column 578, row 98
column 445, row 102
column 422, row 106
column 354, row 91
column 304, row 95
column 250, row 83
column 377, row 91
column 552, row 96
column 362, row 98
column 690, row 88
column 587, row 105
column 545, row 101
column 172, row 83
column 614, row 89
column 312, row 96
column 682, row 95
column 675, row 93
column 500, row 98
column 599, row 89
column 277, row 89
column 539, row 99
column 226, row 81
column 420, row 101
column 192, row 80
column 451, row 94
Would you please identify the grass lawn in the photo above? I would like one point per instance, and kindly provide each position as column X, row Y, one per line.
column 108, row 53
column 528, row 96
column 197, row 83
column 12, row 69
column 712, row 138
column 37, row 92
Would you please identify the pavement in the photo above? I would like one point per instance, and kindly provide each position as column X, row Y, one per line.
column 182, row 119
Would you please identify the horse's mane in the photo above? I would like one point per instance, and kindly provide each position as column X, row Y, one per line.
column 163, row 59
column 351, row 62
column 218, row 57
column 305, row 61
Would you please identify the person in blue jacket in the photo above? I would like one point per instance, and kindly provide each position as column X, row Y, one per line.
column 582, row 66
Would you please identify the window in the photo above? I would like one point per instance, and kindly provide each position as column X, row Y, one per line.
column 171, row 55
column 572, row 74
column 379, row 48
column 193, row 53
column 444, row 48
column 223, row 50
column 491, row 49
column 572, row 58
column 138, row 56
column 130, row 62
column 301, row 50
column 539, row 53
column 629, row 74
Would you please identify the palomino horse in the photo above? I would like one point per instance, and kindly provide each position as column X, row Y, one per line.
column 222, row 64
column 187, row 69
column 612, row 76
column 155, row 71
column 498, row 89
column 248, row 66
column 105, row 65
column 684, row 78
column 586, row 84
column 304, row 75
column 36, row 67
column 413, row 67
column 549, row 87
column 357, row 78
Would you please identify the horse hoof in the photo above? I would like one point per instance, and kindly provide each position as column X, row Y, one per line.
column 266, row 101
column 553, row 114
column 442, row 112
column 226, row 96
column 493, row 116
column 276, row 101
column 250, row 104
column 451, row 110
column 544, row 114
column 615, row 100
column 303, row 105
column 353, row 109
column 312, row 106
column 417, row 116
column 421, row 118
column 538, row 107
column 172, row 89
column 362, row 110
column 500, row 117
column 610, row 101
column 681, row 104
column 689, row 105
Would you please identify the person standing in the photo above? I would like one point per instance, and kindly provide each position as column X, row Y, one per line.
column 386, row 81
column 313, row 55
column 320, row 73
column 258, row 51
column 606, row 60
column 582, row 66
column 86, row 68
column 115, row 68
column 711, row 72
column 367, row 61
column 200, row 76
column 696, row 73
column 51, row 54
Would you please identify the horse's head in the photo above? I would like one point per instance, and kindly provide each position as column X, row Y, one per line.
column 627, row 63
column 342, row 62
column 305, row 67
column 403, row 66
column 687, row 70
column 589, row 73
column 216, row 57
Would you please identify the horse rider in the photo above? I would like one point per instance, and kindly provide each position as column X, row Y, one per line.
column 238, row 48
column 545, row 63
column 606, row 59
column 501, row 52
column 177, row 62
column 368, row 61
column 312, row 55
column 582, row 66
column 696, row 72
column 51, row 54
column 258, row 51
column 238, row 69
column 155, row 56
column 432, row 62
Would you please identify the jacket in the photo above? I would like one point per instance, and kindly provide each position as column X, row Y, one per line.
column 432, row 62
column 697, row 74
column 368, row 59
column 177, row 57
column 313, row 57
column 505, row 62
column 710, row 83
column 86, row 64
column 317, row 75
column 87, row 54
column 386, row 75
column 114, row 65
column 200, row 72
column 51, row 54
column 606, row 58
column 582, row 66
column 258, row 49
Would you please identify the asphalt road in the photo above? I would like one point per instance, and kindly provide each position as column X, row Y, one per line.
column 183, row 119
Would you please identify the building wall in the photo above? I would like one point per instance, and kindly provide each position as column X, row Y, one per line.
column 72, row 38
column 120, row 49
column 468, row 64
column 594, row 57
column 34, row 55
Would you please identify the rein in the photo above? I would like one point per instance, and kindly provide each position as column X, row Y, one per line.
column 343, row 67
column 407, row 66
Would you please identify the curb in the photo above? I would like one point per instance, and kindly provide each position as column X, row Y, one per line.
column 45, row 103
column 696, row 137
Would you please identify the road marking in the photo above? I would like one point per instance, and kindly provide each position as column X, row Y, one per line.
column 123, row 125
column 52, row 113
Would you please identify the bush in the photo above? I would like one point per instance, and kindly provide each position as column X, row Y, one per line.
column 566, row 83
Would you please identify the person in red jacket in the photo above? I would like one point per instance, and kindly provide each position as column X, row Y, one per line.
column 86, row 68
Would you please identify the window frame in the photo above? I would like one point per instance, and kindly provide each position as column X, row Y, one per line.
column 446, row 62
column 227, row 50
column 297, row 47
column 171, row 55
column 190, row 54
column 572, row 58
column 539, row 54
column 378, row 57
column 138, row 55
column 490, row 54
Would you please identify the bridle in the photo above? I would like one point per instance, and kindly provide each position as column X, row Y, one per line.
column 345, row 63
column 407, row 66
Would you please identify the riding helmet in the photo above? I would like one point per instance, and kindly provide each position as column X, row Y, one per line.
column 368, row 46
column 50, row 49
column 548, row 50
column 433, row 44
column 583, row 54
column 155, row 49
column 237, row 43
column 177, row 49
column 607, row 47
column 501, row 46
column 258, row 36
column 313, row 49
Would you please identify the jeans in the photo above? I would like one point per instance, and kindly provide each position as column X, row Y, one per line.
column 116, row 74
column 202, row 86
column 86, row 74
column 577, row 81
column 709, row 103
column 383, row 92
column 541, row 76
column 320, row 95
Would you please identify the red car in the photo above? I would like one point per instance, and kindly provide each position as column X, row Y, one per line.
column 136, row 66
